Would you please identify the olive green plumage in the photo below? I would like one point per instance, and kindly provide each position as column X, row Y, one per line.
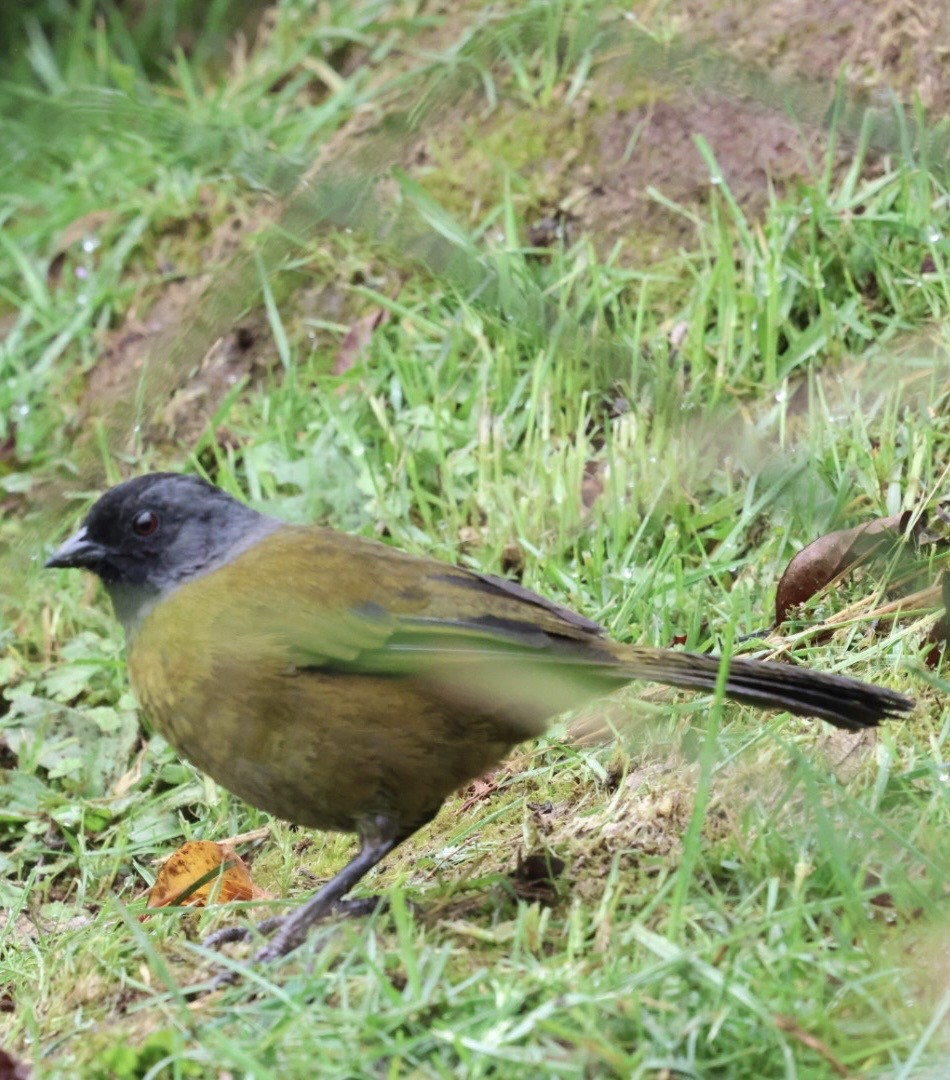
column 343, row 684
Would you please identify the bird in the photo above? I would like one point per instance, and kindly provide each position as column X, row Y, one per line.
column 343, row 684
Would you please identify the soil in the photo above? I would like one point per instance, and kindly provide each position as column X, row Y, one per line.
column 618, row 163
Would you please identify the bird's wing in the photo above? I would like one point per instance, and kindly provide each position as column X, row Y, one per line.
column 335, row 602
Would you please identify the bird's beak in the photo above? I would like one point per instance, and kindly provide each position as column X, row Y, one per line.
column 78, row 550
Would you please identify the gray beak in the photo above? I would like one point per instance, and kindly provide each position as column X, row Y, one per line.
column 78, row 550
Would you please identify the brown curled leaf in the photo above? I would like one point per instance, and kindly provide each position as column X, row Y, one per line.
column 12, row 1068
column 821, row 561
column 357, row 338
column 592, row 485
column 939, row 636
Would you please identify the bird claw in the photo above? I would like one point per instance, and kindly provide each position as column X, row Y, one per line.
column 287, row 932
column 227, row 935
column 292, row 930
column 286, row 938
column 223, row 979
column 283, row 942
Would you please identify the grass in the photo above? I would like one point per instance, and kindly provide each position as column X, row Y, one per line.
column 649, row 441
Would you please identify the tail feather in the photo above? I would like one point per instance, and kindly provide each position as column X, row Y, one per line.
column 847, row 703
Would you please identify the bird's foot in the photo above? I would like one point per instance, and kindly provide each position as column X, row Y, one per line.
column 378, row 837
column 227, row 935
column 288, row 932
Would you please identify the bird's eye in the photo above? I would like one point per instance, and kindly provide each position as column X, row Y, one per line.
column 145, row 523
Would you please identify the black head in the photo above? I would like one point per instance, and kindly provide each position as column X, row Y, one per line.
column 149, row 535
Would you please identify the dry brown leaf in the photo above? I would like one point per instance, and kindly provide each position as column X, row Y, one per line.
column 821, row 561
column 357, row 338
column 8, row 445
column 12, row 1068
column 251, row 837
column 592, row 485
column 479, row 789
column 786, row 1024
column 939, row 636
column 131, row 777
column 197, row 868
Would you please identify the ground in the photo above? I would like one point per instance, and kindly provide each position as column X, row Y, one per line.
column 616, row 302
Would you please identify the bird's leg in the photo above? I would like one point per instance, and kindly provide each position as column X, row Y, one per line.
column 378, row 836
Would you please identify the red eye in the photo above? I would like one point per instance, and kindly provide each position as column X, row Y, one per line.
column 145, row 523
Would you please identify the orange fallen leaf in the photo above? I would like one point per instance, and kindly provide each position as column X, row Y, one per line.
column 198, row 868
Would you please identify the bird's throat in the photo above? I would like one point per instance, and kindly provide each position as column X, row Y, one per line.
column 132, row 603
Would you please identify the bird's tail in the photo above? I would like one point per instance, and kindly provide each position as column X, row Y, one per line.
column 846, row 703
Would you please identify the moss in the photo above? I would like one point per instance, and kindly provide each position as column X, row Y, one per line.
column 470, row 160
